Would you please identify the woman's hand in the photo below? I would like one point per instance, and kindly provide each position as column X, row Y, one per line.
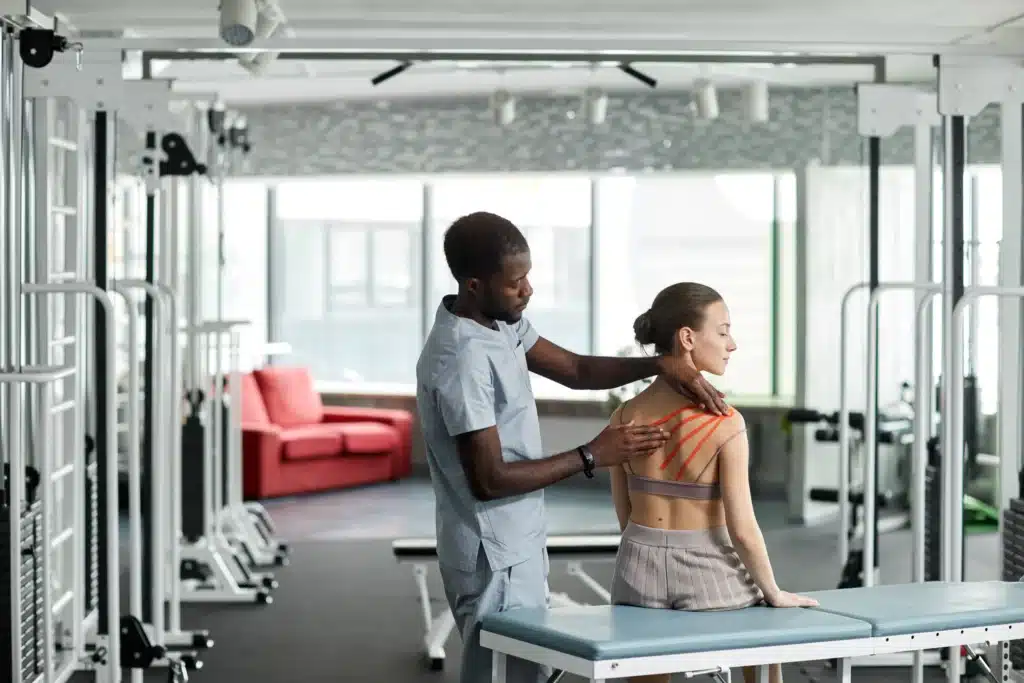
column 681, row 369
column 784, row 599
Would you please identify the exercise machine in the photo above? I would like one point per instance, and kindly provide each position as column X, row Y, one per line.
column 895, row 432
column 575, row 550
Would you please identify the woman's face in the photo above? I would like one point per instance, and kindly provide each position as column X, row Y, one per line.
column 711, row 345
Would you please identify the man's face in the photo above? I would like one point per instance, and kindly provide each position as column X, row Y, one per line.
column 504, row 296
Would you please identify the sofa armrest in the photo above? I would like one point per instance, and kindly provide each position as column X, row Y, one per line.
column 399, row 420
column 261, row 458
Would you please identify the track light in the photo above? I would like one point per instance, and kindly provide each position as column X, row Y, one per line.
column 266, row 25
column 595, row 105
column 755, row 96
column 258, row 65
column 504, row 106
column 238, row 20
column 642, row 77
column 390, row 73
column 706, row 98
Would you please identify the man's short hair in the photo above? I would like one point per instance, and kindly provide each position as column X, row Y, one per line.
column 476, row 244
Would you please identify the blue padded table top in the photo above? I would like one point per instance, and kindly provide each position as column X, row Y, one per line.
column 898, row 609
column 617, row 631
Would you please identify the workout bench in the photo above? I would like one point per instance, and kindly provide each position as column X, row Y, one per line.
column 606, row 642
column 574, row 549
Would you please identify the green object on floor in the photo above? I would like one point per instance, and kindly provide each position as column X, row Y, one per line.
column 979, row 517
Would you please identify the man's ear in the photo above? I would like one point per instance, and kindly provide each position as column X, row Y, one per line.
column 473, row 285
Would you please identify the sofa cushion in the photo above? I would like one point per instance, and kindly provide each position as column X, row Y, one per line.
column 254, row 411
column 314, row 441
column 289, row 396
column 366, row 438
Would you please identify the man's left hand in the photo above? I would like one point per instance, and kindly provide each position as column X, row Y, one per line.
column 682, row 370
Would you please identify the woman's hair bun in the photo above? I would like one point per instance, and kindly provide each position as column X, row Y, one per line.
column 643, row 330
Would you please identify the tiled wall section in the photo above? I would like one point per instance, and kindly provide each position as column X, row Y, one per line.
column 655, row 132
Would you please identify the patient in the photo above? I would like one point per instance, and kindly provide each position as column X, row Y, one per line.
column 690, row 540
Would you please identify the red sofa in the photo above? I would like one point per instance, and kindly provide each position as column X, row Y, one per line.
column 293, row 443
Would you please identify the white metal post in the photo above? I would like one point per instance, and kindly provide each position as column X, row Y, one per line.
column 843, row 489
column 1011, row 247
column 870, row 423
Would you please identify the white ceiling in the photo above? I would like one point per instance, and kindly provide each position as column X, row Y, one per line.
column 887, row 26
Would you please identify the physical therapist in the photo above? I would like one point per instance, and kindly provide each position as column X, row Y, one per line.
column 479, row 420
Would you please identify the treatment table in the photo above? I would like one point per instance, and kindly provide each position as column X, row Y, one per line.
column 614, row 641
column 573, row 549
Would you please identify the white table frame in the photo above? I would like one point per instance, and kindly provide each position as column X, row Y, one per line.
column 722, row 661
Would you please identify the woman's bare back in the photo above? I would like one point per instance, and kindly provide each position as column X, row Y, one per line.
column 690, row 456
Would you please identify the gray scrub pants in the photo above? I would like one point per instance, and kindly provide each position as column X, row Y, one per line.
column 474, row 594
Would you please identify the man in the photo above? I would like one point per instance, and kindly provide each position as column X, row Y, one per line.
column 482, row 434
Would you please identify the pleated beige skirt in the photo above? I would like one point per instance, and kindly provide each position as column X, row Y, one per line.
column 696, row 570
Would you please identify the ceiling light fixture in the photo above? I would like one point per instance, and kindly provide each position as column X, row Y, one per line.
column 706, row 98
column 755, row 97
column 504, row 106
column 238, row 19
column 595, row 105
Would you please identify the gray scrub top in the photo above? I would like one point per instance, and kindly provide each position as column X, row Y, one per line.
column 470, row 377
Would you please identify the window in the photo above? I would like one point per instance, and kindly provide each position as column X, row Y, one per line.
column 716, row 229
column 244, row 290
column 346, row 261
column 554, row 214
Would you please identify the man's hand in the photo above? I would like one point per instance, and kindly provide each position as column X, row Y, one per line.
column 618, row 443
column 682, row 370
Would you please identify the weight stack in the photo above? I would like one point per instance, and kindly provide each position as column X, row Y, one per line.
column 932, row 523
column 193, row 479
column 1013, row 561
column 92, row 542
column 29, row 577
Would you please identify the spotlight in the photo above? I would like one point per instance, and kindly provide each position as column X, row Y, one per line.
column 755, row 96
column 258, row 65
column 504, row 107
column 595, row 105
column 238, row 19
column 266, row 26
column 706, row 99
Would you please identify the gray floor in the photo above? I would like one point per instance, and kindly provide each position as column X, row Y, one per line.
column 346, row 611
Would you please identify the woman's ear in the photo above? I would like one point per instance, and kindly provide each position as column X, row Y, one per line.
column 685, row 338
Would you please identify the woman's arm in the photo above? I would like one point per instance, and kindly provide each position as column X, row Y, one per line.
column 620, row 496
column 620, row 487
column 734, row 477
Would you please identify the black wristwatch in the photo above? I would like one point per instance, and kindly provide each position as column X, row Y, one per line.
column 588, row 461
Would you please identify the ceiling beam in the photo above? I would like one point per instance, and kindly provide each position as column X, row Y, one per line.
column 575, row 48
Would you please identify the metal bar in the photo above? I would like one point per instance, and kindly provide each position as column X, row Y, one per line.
column 149, row 459
column 952, row 275
column 494, row 46
column 44, row 444
column 1011, row 274
column 871, row 421
column 923, row 359
column 151, row 566
column 134, row 461
column 956, row 362
column 110, row 563
column 843, row 489
column 874, row 218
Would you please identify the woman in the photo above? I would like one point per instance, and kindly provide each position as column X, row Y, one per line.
column 690, row 540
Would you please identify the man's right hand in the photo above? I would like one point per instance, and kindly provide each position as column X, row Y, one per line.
column 618, row 443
